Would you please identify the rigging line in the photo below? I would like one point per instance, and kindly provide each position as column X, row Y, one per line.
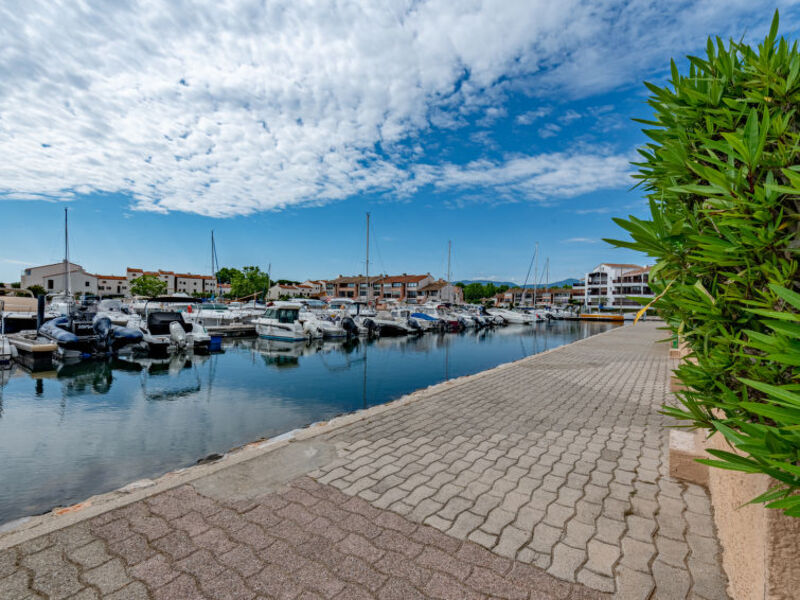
column 378, row 250
column 522, row 297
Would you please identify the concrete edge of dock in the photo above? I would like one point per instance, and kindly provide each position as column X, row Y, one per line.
column 26, row 528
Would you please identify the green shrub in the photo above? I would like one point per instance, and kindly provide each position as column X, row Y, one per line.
column 723, row 178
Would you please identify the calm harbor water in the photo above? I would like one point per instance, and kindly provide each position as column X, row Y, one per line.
column 96, row 426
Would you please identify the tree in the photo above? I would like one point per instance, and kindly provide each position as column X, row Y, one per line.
column 148, row 286
column 723, row 180
column 250, row 280
column 226, row 274
column 16, row 285
column 37, row 290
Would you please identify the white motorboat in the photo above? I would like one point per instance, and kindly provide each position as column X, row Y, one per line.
column 513, row 317
column 213, row 314
column 20, row 311
column 281, row 321
column 165, row 330
column 116, row 310
column 363, row 316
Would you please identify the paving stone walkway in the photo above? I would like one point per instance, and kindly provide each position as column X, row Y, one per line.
column 559, row 461
column 543, row 479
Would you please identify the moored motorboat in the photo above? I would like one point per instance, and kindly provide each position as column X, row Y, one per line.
column 281, row 321
column 166, row 330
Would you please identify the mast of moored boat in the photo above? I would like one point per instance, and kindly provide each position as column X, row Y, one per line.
column 535, row 270
column 214, row 266
column 67, row 278
column 369, row 287
column 449, row 250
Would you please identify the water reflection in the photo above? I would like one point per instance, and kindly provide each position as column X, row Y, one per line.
column 93, row 426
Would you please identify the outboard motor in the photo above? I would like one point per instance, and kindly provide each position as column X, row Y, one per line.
column 102, row 327
column 349, row 325
column 311, row 330
column 371, row 326
column 177, row 334
column 414, row 326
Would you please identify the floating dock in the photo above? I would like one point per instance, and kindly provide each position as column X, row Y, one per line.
column 235, row 330
column 602, row 317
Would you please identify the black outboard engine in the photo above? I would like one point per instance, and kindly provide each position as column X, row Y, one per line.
column 102, row 327
column 372, row 327
column 349, row 326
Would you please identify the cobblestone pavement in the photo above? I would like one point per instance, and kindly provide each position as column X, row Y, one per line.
column 309, row 541
column 543, row 479
column 559, row 461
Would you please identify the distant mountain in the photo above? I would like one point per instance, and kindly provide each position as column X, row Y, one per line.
column 562, row 283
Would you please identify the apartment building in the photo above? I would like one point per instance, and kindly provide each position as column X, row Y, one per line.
column 112, row 285
column 403, row 287
column 177, row 283
column 610, row 285
column 293, row 291
column 440, row 291
column 318, row 286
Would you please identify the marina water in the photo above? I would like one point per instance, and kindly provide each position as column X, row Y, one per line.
column 94, row 426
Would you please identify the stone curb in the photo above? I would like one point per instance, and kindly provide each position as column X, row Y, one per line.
column 27, row 528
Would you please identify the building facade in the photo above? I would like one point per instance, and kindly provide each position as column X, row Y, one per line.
column 609, row 285
column 440, row 291
column 52, row 278
column 112, row 285
column 280, row 290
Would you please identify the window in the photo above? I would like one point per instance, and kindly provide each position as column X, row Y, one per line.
column 413, row 284
column 86, row 284
column 49, row 284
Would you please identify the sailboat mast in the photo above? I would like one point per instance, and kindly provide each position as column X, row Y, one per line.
column 535, row 270
column 547, row 280
column 213, row 270
column 67, row 278
column 369, row 287
column 449, row 252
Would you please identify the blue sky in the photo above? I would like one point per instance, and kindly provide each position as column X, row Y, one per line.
column 279, row 124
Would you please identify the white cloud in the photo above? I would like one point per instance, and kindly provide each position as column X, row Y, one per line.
column 237, row 106
column 549, row 130
column 569, row 116
column 580, row 240
column 529, row 117
column 539, row 178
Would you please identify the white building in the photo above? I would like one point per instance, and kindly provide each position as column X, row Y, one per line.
column 112, row 285
column 610, row 284
column 293, row 291
column 51, row 278
column 318, row 286
column 178, row 283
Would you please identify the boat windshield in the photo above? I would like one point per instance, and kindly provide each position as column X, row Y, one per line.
column 282, row 315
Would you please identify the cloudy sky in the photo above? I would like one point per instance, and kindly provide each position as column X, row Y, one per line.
column 494, row 124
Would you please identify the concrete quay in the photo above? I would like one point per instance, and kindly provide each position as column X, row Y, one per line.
column 544, row 478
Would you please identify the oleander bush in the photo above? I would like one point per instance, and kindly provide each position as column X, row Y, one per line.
column 723, row 180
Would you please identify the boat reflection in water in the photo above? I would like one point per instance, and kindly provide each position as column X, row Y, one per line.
column 97, row 425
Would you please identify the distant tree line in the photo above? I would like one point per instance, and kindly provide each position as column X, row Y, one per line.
column 475, row 292
column 248, row 281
